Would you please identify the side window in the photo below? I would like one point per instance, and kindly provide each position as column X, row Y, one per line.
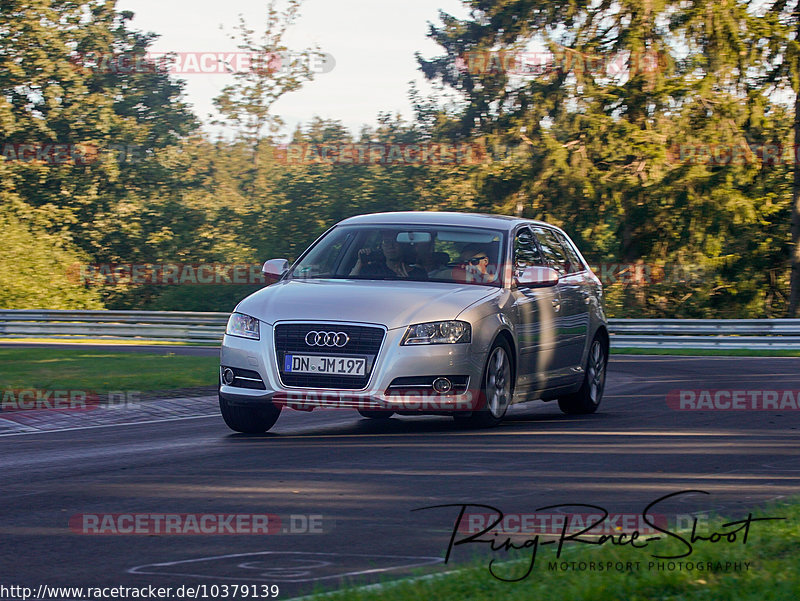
column 552, row 250
column 575, row 263
column 526, row 254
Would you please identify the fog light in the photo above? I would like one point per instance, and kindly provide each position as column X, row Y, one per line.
column 227, row 376
column 442, row 385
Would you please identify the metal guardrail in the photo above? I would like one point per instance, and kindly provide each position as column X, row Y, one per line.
column 207, row 328
column 757, row 334
column 163, row 326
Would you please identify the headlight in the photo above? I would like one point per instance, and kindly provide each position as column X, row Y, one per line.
column 243, row 326
column 438, row 332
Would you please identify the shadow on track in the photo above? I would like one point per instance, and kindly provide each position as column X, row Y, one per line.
column 428, row 424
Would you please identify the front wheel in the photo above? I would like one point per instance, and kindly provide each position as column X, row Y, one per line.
column 497, row 389
column 589, row 395
column 250, row 420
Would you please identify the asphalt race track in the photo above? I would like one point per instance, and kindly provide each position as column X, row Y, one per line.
column 356, row 481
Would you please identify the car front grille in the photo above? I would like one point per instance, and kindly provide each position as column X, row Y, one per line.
column 364, row 341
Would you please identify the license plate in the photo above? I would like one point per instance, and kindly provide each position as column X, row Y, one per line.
column 316, row 364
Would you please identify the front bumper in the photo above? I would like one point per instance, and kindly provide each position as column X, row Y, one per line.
column 393, row 361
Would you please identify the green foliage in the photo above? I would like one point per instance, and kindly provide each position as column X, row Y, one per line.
column 37, row 270
column 605, row 153
column 605, row 144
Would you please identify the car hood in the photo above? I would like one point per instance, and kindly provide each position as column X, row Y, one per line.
column 393, row 304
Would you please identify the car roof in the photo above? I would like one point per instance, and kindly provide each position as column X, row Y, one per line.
column 503, row 222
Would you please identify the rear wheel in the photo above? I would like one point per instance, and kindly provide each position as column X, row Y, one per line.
column 375, row 414
column 589, row 395
column 497, row 389
column 250, row 420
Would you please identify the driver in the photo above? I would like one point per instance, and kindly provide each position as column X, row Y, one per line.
column 391, row 265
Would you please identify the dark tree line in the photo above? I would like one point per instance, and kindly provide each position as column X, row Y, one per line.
column 661, row 134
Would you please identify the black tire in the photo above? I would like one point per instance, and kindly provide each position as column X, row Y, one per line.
column 497, row 389
column 250, row 420
column 377, row 414
column 589, row 395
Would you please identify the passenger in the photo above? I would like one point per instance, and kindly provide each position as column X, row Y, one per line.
column 474, row 266
column 390, row 265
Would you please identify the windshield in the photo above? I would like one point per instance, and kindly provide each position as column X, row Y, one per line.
column 404, row 252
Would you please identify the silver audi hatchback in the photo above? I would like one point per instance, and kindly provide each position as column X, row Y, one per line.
column 419, row 313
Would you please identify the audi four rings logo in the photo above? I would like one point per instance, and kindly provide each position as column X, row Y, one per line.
column 327, row 338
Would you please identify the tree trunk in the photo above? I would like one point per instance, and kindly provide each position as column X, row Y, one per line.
column 794, row 294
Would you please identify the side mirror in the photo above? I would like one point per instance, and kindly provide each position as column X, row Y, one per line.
column 275, row 268
column 537, row 277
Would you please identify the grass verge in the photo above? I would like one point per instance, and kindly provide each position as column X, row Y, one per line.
column 102, row 371
column 772, row 549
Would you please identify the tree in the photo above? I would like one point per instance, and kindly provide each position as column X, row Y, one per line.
column 781, row 29
column 84, row 139
column 589, row 141
column 60, row 87
column 275, row 71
